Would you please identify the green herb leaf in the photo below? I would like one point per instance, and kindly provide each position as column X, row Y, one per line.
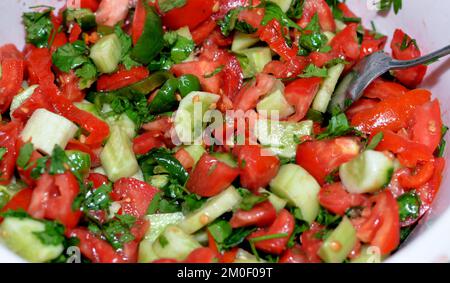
column 375, row 140
column 338, row 126
column 70, row 56
column 38, row 27
column 53, row 235
column 296, row 10
column 441, row 148
column 249, row 200
column 220, row 230
column 39, row 169
column 182, row 49
column 327, row 219
column 59, row 161
column 24, row 155
column 273, row 11
column 167, row 5
column 215, row 72
column 314, row 71
column 237, row 236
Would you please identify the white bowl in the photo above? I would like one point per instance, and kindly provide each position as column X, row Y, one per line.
column 427, row 21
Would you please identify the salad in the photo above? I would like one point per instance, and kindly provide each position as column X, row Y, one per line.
column 200, row 131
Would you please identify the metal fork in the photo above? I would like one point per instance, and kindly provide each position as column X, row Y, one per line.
column 370, row 68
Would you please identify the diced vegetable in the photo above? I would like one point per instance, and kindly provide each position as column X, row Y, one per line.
column 106, row 53
column 284, row 4
column 339, row 243
column 195, row 151
column 258, row 57
column 299, row 188
column 46, row 129
column 323, row 97
column 242, row 256
column 282, row 137
column 367, row 173
column 158, row 222
column 124, row 123
column 19, row 235
column 189, row 124
column 84, row 17
column 275, row 102
column 21, row 97
column 242, row 41
column 226, row 158
column 368, row 254
column 211, row 210
column 159, row 181
column 117, row 157
column 88, row 107
column 174, row 243
column 277, row 202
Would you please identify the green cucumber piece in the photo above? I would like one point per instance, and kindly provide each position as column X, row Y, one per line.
column 242, row 41
column 189, row 124
column 275, row 102
column 124, row 123
column 368, row 254
column 325, row 92
column 211, row 210
column 281, row 137
column 117, row 157
column 158, row 222
column 106, row 53
column 195, row 151
column 174, row 243
column 339, row 243
column 277, row 202
column 18, row 235
column 283, row 4
column 21, row 97
column 299, row 188
column 369, row 172
column 338, row 101
column 151, row 41
column 46, row 129
column 258, row 57
column 88, row 107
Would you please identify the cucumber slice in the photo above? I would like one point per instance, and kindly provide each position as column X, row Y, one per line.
column 282, row 137
column 188, row 121
column 323, row 96
column 195, row 151
column 88, row 107
column 368, row 254
column 275, row 102
column 18, row 235
column 258, row 57
column 174, row 243
column 329, row 35
column 21, row 97
column 117, row 157
column 242, row 256
column 242, row 41
column 158, row 222
column 284, row 4
column 159, row 181
column 211, row 210
column 299, row 188
column 277, row 202
column 46, row 129
column 367, row 173
column 338, row 100
column 339, row 243
column 106, row 53
column 124, row 123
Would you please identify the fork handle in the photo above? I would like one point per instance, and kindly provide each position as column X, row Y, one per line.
column 397, row 64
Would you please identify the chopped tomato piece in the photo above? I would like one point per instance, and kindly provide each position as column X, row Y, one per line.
column 202, row 255
column 262, row 214
column 75, row 33
column 202, row 69
column 248, row 96
column 336, row 199
column 427, row 125
column 21, row 200
column 320, row 7
column 311, row 243
column 10, row 81
column 300, row 94
column 382, row 90
column 121, row 78
column 147, row 141
column 191, row 14
column 273, row 35
column 70, row 88
column 8, row 139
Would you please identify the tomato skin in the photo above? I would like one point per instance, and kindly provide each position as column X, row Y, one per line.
column 326, row 19
column 10, row 51
column 252, row 17
column 192, row 14
column 121, row 78
column 97, row 179
column 370, row 44
column 210, row 176
column 345, row 43
column 53, row 197
column 21, row 200
column 75, row 33
column 260, row 215
column 300, row 94
column 311, row 243
column 336, row 199
column 410, row 77
column 423, row 173
column 8, row 139
column 408, row 152
column 137, row 27
column 294, row 255
column 284, row 223
column 10, row 81
column 382, row 227
column 272, row 34
column 200, row 69
column 361, row 105
column 382, row 90
column 427, row 125
column 202, row 32
column 286, row 69
column 185, row 158
column 320, row 158
column 87, row 4
column 202, row 255
column 69, row 86
column 248, row 96
column 111, row 12
column 38, row 62
column 258, row 167
column 390, row 114
column 147, row 141
column 134, row 196
column 428, row 191
column 94, row 154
